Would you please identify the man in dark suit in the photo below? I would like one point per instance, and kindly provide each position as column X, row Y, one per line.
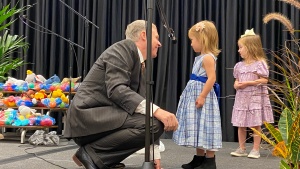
column 106, row 117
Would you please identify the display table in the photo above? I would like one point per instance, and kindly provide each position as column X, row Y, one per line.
column 24, row 129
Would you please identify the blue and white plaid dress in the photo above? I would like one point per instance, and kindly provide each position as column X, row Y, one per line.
column 198, row 127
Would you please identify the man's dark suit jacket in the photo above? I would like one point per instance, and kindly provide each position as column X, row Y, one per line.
column 108, row 94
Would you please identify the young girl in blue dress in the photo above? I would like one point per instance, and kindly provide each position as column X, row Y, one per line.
column 198, row 110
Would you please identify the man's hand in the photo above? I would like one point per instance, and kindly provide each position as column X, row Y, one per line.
column 168, row 119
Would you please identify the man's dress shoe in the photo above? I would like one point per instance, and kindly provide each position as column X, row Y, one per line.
column 81, row 157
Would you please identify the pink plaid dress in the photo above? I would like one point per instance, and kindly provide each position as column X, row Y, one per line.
column 252, row 104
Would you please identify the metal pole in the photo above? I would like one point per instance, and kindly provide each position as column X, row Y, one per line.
column 150, row 5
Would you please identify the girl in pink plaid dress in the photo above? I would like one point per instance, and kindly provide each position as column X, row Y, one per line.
column 252, row 104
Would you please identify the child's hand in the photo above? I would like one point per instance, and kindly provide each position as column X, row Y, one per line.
column 242, row 85
column 200, row 101
column 157, row 164
column 236, row 85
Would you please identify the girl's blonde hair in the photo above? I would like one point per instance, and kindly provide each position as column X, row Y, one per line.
column 254, row 47
column 206, row 33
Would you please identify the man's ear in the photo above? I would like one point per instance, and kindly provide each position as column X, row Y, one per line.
column 143, row 36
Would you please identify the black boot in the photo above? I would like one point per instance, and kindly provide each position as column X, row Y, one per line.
column 197, row 161
column 208, row 163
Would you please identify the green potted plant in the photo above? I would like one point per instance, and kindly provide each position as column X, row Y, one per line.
column 285, row 94
column 9, row 44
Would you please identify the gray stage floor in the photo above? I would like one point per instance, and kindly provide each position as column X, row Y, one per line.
column 14, row 155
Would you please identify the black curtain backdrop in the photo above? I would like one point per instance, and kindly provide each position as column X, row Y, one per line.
column 49, row 54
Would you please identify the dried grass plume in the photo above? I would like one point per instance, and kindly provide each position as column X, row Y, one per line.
column 281, row 18
column 293, row 3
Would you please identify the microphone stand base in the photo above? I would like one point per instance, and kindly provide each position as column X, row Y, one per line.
column 148, row 165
